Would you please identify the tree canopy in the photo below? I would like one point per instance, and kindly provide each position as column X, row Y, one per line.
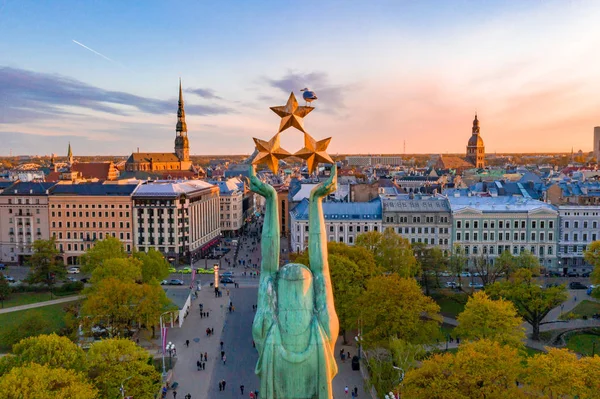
column 484, row 318
column 45, row 267
column 392, row 252
column 109, row 248
column 154, row 265
column 50, row 350
column 124, row 269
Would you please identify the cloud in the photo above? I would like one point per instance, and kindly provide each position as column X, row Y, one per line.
column 27, row 95
column 329, row 94
column 204, row 93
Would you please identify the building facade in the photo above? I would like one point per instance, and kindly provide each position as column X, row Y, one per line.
column 488, row 226
column 82, row 214
column 373, row 160
column 23, row 219
column 420, row 219
column 231, row 198
column 579, row 227
column 344, row 221
column 475, row 147
column 597, row 143
column 178, row 218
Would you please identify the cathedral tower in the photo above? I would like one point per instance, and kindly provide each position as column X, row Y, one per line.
column 182, row 144
column 475, row 147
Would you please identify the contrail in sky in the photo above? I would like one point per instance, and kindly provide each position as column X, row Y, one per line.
column 93, row 51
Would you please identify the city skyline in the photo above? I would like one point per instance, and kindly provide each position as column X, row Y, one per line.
column 104, row 76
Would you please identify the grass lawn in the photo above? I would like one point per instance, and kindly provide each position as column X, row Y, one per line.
column 26, row 298
column 584, row 308
column 583, row 343
column 449, row 306
column 53, row 314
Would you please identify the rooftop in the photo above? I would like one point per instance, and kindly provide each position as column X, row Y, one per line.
column 414, row 203
column 28, row 188
column 93, row 189
column 498, row 204
column 343, row 210
column 170, row 188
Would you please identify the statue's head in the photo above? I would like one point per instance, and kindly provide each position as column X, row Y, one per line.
column 295, row 298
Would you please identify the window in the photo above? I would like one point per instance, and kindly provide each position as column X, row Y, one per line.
column 475, row 236
column 516, row 224
column 458, row 224
column 576, row 224
column 522, row 224
column 467, row 225
column 542, row 224
column 522, row 236
column 549, row 250
column 475, row 225
column 532, row 236
column 500, row 224
column 566, row 225
column 467, row 236
column 533, row 224
column 457, row 236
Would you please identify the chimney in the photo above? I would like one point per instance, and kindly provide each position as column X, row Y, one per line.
column 138, row 149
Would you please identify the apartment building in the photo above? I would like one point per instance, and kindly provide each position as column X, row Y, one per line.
column 579, row 227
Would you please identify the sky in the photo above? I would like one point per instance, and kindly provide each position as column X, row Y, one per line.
column 104, row 75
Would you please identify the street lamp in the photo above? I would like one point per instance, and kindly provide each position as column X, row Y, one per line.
column 170, row 347
column 122, row 389
column 162, row 343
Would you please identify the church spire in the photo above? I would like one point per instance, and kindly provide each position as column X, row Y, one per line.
column 475, row 125
column 181, row 125
column 70, row 154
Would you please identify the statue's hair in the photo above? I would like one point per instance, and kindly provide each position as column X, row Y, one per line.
column 295, row 272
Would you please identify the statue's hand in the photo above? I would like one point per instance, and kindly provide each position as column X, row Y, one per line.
column 328, row 186
column 258, row 186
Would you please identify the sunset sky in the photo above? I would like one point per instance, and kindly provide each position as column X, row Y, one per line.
column 385, row 72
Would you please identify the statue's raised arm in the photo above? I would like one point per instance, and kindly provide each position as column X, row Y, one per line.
column 318, row 256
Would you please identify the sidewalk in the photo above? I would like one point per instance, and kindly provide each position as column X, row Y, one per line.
column 42, row 304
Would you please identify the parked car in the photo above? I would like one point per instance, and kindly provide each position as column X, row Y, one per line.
column 71, row 279
column 172, row 270
column 465, row 274
column 186, row 270
column 227, row 274
column 226, row 280
column 2, row 266
column 590, row 289
column 176, row 281
column 572, row 274
column 204, row 271
column 586, row 274
column 73, row 270
column 10, row 279
column 476, row 285
column 576, row 285
column 452, row 284
column 446, row 274
column 553, row 273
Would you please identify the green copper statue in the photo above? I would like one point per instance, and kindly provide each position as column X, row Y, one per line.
column 295, row 327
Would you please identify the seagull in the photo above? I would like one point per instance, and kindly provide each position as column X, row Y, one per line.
column 308, row 95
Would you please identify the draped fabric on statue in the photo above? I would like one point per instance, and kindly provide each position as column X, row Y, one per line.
column 274, row 384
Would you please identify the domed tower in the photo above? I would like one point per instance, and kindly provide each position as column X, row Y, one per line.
column 182, row 144
column 475, row 147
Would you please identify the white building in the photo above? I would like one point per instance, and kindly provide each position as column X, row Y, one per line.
column 487, row 226
column 344, row 221
column 373, row 160
column 231, row 194
column 178, row 218
column 579, row 227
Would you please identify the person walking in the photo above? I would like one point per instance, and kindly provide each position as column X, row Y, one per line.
column 188, row 396
column 174, row 394
column 252, row 396
column 203, row 366
column 224, row 359
column 224, row 384
column 356, row 391
column 205, row 357
column 198, row 365
column 187, row 343
column 346, row 390
column 221, row 345
column 220, row 385
column 242, row 389
column 222, row 354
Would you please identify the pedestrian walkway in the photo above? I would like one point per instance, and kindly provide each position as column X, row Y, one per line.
column 42, row 304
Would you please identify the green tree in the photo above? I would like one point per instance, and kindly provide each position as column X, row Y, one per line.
column 531, row 300
column 350, row 268
column 555, row 374
column 50, row 350
column 45, row 267
column 151, row 303
column 527, row 260
column 480, row 369
column 43, row 382
column 392, row 252
column 393, row 306
column 592, row 256
column 112, row 303
column 4, row 288
column 458, row 263
column 505, row 263
column 484, row 318
column 31, row 325
column 432, row 262
column 124, row 269
column 109, row 248
column 113, row 360
column 154, row 265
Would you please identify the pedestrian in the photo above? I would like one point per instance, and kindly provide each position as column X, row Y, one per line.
column 252, row 396
column 203, row 366
column 220, row 385
column 256, row 393
column 356, row 391
column 221, row 345
column 205, row 357
column 174, row 394
column 457, row 340
column 242, row 389
column 346, row 390
column 224, row 384
column 353, row 396
column 343, row 357
column 232, row 308
column 253, row 344
column 575, row 298
column 198, row 365
column 212, row 331
column 187, row 343
column 188, row 396
column 174, row 352
column 222, row 354
column 224, row 359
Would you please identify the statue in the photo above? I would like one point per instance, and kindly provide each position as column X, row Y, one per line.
column 295, row 327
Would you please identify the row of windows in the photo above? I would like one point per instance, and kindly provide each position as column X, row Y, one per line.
column 26, row 201
column 416, row 219
column 493, row 250
column 87, row 214
column 585, row 237
column 582, row 213
column 83, row 247
column 421, row 230
column 491, row 236
column 350, row 228
column 505, row 224
column 20, row 212
column 101, row 225
column 89, row 236
column 585, row 224
column 93, row 206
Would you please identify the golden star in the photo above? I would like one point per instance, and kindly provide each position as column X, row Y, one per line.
column 269, row 153
column 314, row 152
column 291, row 114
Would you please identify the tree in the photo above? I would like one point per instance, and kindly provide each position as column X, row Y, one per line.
column 151, row 303
column 123, row 269
column 592, row 256
column 431, row 261
column 532, row 301
column 113, row 360
column 45, row 268
column 43, row 382
column 4, row 288
column 50, row 350
column 154, row 265
column 393, row 306
column 109, row 248
column 527, row 260
column 350, row 268
column 555, row 374
column 31, row 325
column 506, row 264
column 484, row 318
column 392, row 252
column 490, row 272
column 458, row 262
column 480, row 369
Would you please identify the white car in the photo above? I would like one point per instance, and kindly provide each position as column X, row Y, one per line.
column 452, row 284
column 73, row 270
column 465, row 274
column 476, row 285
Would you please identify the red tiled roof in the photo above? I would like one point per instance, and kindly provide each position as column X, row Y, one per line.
column 92, row 170
column 53, row 176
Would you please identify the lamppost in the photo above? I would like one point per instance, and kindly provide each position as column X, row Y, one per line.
column 122, row 389
column 162, row 343
column 170, row 347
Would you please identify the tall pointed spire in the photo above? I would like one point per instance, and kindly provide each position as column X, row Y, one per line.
column 181, row 125
column 70, row 154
